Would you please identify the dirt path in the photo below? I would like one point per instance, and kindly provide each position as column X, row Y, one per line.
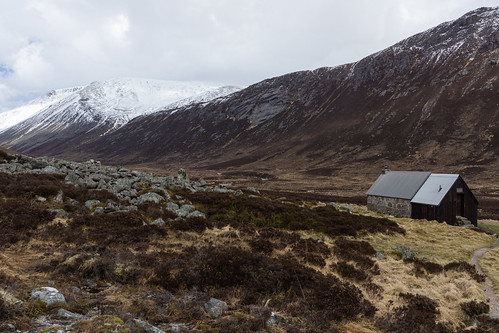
column 488, row 285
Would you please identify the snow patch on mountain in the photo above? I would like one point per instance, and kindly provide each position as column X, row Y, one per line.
column 23, row 112
column 114, row 101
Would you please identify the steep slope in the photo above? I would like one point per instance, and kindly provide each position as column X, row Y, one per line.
column 99, row 108
column 23, row 112
column 428, row 102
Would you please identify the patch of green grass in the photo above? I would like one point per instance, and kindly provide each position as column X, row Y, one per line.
column 489, row 225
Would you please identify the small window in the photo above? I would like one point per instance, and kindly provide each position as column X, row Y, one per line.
column 460, row 190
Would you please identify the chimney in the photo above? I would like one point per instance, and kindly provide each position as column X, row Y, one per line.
column 385, row 169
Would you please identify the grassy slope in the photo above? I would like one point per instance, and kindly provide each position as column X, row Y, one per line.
column 294, row 248
column 490, row 261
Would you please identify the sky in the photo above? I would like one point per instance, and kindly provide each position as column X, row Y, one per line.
column 51, row 44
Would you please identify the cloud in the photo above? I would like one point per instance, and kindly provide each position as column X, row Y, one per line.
column 118, row 27
column 29, row 64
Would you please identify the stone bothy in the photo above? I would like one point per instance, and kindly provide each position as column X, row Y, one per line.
column 423, row 195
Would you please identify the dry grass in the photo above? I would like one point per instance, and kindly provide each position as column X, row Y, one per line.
column 436, row 241
column 449, row 289
column 490, row 266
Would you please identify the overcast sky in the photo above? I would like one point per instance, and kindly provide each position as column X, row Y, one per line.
column 49, row 44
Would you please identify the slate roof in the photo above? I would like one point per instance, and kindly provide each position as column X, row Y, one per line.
column 399, row 184
column 434, row 189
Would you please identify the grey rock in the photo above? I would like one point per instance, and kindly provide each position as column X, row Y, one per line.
column 132, row 193
column 59, row 197
column 41, row 199
column 220, row 189
column 39, row 163
column 65, row 314
column 98, row 210
column 215, row 307
column 346, row 208
column 71, row 178
column 165, row 194
column 334, row 204
column 252, row 189
column 185, row 210
column 150, row 197
column 196, row 213
column 182, row 175
column 405, row 252
column 90, row 204
column 200, row 183
column 177, row 327
column 111, row 207
column 88, row 183
column 49, row 295
column 148, row 327
column 60, row 213
column 379, row 255
column 158, row 221
column 172, row 207
column 273, row 319
column 50, row 170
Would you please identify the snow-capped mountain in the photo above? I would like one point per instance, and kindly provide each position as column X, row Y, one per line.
column 23, row 112
column 115, row 100
column 103, row 106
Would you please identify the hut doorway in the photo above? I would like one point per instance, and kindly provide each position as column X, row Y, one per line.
column 460, row 204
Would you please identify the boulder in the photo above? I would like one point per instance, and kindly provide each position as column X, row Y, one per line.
column 158, row 221
column 90, row 204
column 215, row 307
column 185, row 210
column 150, row 197
column 196, row 213
column 172, row 207
column 148, row 327
column 49, row 295
column 65, row 314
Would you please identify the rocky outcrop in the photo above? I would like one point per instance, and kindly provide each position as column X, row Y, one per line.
column 134, row 187
column 50, row 296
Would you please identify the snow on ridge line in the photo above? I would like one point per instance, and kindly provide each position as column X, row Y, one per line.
column 118, row 100
column 17, row 115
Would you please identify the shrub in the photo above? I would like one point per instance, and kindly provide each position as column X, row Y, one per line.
column 19, row 217
column 25, row 185
column 196, row 224
column 463, row 266
column 227, row 209
column 4, row 310
column 5, row 157
column 418, row 315
column 107, row 229
column 474, row 308
column 422, row 266
column 348, row 271
column 357, row 251
column 257, row 277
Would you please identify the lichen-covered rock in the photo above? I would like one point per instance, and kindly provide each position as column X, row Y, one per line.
column 150, row 197
column 147, row 327
column 65, row 314
column 90, row 204
column 158, row 221
column 196, row 213
column 215, row 307
column 49, row 295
